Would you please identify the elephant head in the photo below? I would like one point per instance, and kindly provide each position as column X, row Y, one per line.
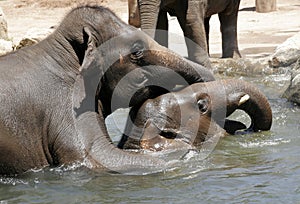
column 187, row 118
column 142, row 70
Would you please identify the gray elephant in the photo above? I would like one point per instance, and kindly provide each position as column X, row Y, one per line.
column 56, row 94
column 193, row 17
column 194, row 115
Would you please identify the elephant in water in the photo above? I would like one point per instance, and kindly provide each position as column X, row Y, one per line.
column 55, row 94
column 193, row 17
column 194, row 115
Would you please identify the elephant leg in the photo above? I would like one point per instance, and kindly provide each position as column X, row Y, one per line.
column 192, row 24
column 134, row 13
column 161, row 33
column 206, row 26
column 229, row 35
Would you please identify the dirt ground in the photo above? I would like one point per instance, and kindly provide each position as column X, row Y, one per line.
column 258, row 33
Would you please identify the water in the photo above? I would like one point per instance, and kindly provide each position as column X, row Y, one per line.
column 256, row 168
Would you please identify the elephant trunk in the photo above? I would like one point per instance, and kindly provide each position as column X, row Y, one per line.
column 190, row 71
column 250, row 99
column 257, row 106
column 148, row 15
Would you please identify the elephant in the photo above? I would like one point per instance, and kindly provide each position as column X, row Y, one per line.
column 56, row 94
column 194, row 115
column 134, row 13
column 193, row 17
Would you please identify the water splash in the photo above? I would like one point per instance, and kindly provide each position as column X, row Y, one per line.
column 265, row 143
column 12, row 181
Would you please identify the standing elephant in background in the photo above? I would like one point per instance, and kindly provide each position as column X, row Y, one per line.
column 187, row 118
column 56, row 94
column 193, row 17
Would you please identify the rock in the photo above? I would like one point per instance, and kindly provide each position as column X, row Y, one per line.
column 292, row 93
column 34, row 36
column 5, row 46
column 287, row 53
column 3, row 26
column 241, row 67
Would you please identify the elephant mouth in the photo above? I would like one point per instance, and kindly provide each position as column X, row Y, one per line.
column 176, row 135
column 159, row 143
column 167, row 139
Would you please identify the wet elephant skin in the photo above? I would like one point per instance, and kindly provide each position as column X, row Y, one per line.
column 55, row 94
column 187, row 118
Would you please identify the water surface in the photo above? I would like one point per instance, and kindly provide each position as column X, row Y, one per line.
column 255, row 168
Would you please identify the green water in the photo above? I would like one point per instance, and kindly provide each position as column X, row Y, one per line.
column 254, row 168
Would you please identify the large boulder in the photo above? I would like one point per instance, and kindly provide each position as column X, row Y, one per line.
column 34, row 36
column 292, row 93
column 5, row 46
column 287, row 53
column 3, row 25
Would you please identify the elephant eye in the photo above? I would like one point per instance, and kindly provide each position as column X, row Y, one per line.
column 203, row 105
column 137, row 51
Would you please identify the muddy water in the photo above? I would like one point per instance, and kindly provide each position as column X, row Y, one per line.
column 255, row 168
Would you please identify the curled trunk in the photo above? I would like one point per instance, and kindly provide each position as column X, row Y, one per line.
column 257, row 106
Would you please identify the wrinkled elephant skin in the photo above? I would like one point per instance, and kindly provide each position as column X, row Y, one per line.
column 55, row 94
column 193, row 17
column 187, row 118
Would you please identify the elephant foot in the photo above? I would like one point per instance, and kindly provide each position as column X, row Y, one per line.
column 235, row 54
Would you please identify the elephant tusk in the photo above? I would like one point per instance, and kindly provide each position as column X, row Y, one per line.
column 121, row 59
column 244, row 99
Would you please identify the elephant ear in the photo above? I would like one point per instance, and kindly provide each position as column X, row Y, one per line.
column 90, row 47
column 88, row 79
